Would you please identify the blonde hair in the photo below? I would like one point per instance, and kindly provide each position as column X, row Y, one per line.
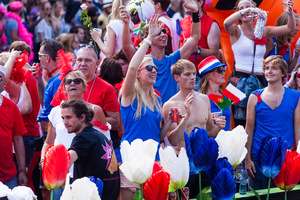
column 141, row 96
column 283, row 20
column 279, row 61
column 180, row 65
column 67, row 42
column 115, row 11
column 75, row 74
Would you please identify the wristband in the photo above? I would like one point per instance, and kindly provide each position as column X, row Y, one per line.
column 147, row 41
column 196, row 17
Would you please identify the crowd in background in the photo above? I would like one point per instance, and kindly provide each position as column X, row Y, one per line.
column 132, row 62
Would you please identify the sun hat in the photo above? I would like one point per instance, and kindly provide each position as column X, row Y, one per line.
column 209, row 64
column 16, row 5
column 107, row 3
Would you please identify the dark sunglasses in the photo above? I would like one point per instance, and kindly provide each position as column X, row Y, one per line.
column 220, row 70
column 163, row 31
column 1, row 79
column 149, row 68
column 86, row 45
column 76, row 81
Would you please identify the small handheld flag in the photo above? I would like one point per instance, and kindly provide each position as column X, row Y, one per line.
column 234, row 94
column 221, row 101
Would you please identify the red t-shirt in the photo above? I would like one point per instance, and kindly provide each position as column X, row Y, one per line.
column 30, row 119
column 186, row 24
column 99, row 92
column 11, row 125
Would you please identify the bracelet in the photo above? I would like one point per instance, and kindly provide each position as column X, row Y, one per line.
column 196, row 17
column 147, row 41
column 22, row 171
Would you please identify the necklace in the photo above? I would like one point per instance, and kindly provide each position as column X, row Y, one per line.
column 91, row 89
column 162, row 15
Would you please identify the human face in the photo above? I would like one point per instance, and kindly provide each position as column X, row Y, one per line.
column 71, row 122
column 187, row 79
column 242, row 6
column 217, row 75
column 86, row 62
column 74, row 87
column 161, row 39
column 145, row 76
column 89, row 3
column 298, row 79
column 2, row 81
column 124, row 66
column 47, row 9
column 43, row 59
column 294, row 33
column 75, row 42
column 80, row 35
column 273, row 73
column 58, row 9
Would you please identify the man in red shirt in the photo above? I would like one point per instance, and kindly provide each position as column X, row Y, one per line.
column 98, row 91
column 209, row 42
column 11, row 130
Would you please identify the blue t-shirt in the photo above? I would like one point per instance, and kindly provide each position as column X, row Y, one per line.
column 146, row 127
column 10, row 24
column 275, row 123
column 49, row 93
column 276, row 49
column 165, row 82
column 215, row 108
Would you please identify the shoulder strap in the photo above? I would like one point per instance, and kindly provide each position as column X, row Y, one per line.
column 252, row 71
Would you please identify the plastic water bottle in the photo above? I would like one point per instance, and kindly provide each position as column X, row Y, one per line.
column 244, row 182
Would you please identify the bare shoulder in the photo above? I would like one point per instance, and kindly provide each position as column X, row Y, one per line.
column 202, row 97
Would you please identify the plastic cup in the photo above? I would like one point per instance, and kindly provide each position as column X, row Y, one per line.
column 217, row 114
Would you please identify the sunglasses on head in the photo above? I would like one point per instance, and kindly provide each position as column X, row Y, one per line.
column 163, row 31
column 149, row 68
column 86, row 45
column 76, row 81
column 220, row 70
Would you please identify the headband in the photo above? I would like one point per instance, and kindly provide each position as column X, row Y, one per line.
column 242, row 1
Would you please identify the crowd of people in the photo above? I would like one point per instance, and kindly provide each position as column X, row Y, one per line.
column 92, row 83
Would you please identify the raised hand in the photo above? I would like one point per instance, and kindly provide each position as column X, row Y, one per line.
column 125, row 17
column 190, row 6
column 96, row 33
column 187, row 104
column 154, row 26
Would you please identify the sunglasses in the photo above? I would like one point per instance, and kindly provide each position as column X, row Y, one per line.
column 163, row 31
column 149, row 68
column 86, row 45
column 298, row 75
column 220, row 70
column 1, row 79
column 42, row 54
column 76, row 81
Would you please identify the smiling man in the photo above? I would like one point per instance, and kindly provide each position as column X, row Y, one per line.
column 271, row 112
column 98, row 91
column 165, row 83
column 90, row 150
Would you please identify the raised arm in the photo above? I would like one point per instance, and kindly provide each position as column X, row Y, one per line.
column 213, row 40
column 129, row 49
column 274, row 31
column 250, row 125
column 131, row 76
column 189, row 46
column 109, row 49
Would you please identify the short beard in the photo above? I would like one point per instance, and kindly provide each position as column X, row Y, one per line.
column 76, row 129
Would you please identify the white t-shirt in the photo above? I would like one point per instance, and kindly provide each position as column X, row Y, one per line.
column 43, row 27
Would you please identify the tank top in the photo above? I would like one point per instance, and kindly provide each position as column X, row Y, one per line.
column 276, row 49
column 243, row 50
